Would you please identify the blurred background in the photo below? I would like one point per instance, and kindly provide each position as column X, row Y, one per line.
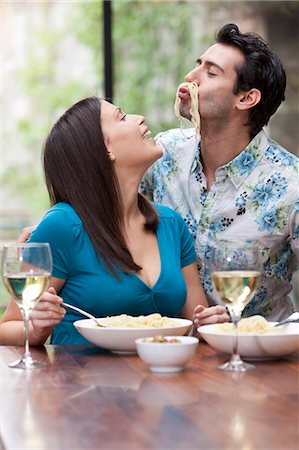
column 52, row 55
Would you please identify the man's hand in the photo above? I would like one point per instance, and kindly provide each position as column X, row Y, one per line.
column 213, row 314
column 25, row 234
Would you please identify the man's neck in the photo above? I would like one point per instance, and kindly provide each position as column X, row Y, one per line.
column 218, row 148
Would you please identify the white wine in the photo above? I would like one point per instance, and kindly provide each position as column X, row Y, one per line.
column 26, row 288
column 236, row 287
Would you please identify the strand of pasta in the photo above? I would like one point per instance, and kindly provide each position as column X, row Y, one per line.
column 254, row 324
column 195, row 119
column 154, row 320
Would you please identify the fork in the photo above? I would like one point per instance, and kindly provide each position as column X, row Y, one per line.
column 84, row 313
column 284, row 322
column 293, row 318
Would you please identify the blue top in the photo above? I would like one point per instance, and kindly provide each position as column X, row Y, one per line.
column 90, row 286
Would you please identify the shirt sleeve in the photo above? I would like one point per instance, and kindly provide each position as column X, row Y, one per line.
column 56, row 228
column 188, row 255
column 294, row 234
column 146, row 186
column 150, row 181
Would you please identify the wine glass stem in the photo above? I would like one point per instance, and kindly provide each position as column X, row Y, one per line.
column 27, row 355
column 235, row 356
column 235, row 341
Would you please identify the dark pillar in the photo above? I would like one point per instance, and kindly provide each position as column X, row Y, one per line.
column 108, row 54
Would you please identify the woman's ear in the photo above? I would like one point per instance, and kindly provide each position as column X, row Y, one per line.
column 109, row 149
column 249, row 99
column 111, row 155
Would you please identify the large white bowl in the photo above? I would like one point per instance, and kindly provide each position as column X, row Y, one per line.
column 166, row 357
column 123, row 339
column 255, row 346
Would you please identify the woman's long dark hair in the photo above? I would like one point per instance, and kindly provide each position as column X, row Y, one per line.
column 78, row 171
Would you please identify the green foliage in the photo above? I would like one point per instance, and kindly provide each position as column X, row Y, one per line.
column 86, row 24
column 49, row 96
column 150, row 42
column 150, row 57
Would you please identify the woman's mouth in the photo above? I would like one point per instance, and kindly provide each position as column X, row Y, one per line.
column 146, row 134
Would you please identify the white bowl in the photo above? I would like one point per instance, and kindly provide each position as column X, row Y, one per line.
column 164, row 356
column 123, row 339
column 255, row 346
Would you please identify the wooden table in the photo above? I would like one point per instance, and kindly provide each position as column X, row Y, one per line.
column 85, row 399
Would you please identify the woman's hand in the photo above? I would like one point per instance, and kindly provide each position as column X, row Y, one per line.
column 213, row 314
column 46, row 314
column 25, row 234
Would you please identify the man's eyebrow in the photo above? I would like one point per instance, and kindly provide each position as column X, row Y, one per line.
column 209, row 64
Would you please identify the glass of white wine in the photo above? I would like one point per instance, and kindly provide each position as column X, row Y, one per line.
column 26, row 272
column 236, row 271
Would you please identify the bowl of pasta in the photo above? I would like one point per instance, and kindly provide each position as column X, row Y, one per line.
column 120, row 332
column 258, row 338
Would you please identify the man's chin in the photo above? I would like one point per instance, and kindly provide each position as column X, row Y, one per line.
column 185, row 112
column 186, row 115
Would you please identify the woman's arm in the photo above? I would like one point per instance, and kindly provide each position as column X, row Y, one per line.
column 196, row 306
column 195, row 292
column 46, row 314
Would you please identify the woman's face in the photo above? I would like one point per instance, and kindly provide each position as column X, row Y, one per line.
column 126, row 138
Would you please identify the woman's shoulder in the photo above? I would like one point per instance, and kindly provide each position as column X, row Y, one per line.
column 60, row 219
column 165, row 212
column 64, row 211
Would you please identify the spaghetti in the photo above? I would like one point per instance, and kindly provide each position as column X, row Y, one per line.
column 193, row 92
column 151, row 321
column 250, row 325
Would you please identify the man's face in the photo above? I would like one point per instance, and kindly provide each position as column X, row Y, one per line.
column 215, row 75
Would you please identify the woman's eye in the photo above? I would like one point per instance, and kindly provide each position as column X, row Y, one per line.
column 124, row 117
column 211, row 74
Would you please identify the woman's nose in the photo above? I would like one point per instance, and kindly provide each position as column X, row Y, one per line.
column 139, row 119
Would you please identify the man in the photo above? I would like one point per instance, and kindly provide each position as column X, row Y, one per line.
column 233, row 182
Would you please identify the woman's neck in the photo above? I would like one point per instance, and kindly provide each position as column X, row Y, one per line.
column 129, row 186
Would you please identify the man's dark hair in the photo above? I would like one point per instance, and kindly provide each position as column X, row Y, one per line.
column 262, row 69
column 79, row 171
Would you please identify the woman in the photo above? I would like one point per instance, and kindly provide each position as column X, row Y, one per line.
column 113, row 251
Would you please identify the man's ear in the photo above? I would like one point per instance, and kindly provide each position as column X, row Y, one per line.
column 249, row 99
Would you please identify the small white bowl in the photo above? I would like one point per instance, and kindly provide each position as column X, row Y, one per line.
column 166, row 357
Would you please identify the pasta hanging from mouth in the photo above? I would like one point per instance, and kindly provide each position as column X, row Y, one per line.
column 193, row 91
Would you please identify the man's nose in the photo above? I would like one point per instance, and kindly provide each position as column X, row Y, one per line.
column 192, row 76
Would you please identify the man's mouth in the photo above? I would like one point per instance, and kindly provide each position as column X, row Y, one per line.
column 184, row 93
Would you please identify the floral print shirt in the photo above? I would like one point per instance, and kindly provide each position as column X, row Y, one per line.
column 255, row 197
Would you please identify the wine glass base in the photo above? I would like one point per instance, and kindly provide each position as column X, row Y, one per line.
column 236, row 366
column 23, row 364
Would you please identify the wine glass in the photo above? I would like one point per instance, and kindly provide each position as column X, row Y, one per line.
column 26, row 272
column 236, row 271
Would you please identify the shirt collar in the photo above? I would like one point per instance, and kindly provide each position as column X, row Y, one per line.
column 197, row 160
column 244, row 163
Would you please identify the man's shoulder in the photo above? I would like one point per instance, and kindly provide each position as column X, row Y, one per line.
column 165, row 212
column 281, row 160
column 175, row 137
